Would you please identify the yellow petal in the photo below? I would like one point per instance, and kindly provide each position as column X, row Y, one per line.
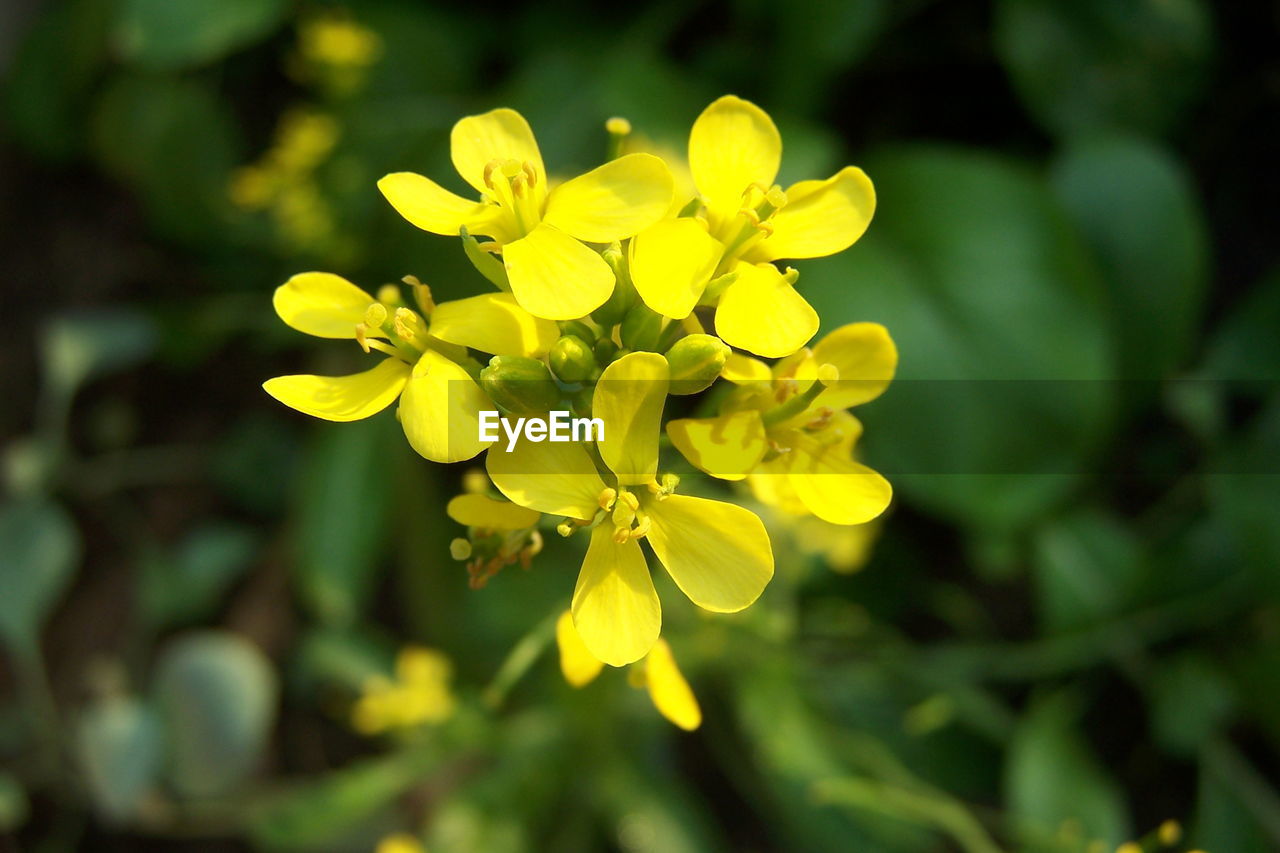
column 615, row 607
column 440, row 410
column 628, row 398
column 431, row 207
column 744, row 370
column 733, row 144
column 493, row 323
column 555, row 276
column 820, row 217
column 500, row 134
column 762, row 313
column 668, row 689
column 613, row 201
column 866, row 358
column 476, row 510
column 557, row 478
column 771, row 485
column 728, row 447
column 718, row 553
column 578, row 665
column 833, row 486
column 342, row 398
column 321, row 304
column 671, row 264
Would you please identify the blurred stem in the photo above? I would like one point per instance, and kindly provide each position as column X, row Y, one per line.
column 1114, row 638
column 1224, row 760
column 523, row 655
column 913, row 806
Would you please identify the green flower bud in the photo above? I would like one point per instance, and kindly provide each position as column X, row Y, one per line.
column 606, row 351
column 519, row 385
column 696, row 362
column 578, row 329
column 642, row 327
column 624, row 292
column 571, row 359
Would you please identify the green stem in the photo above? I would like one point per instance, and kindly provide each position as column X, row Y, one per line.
column 523, row 655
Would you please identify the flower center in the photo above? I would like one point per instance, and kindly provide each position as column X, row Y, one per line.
column 752, row 224
column 513, row 184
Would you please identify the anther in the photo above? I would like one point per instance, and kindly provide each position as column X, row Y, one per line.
column 530, row 175
column 642, row 527
column 488, row 172
column 607, row 498
column 565, row 528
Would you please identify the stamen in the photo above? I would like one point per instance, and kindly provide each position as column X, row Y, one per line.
column 607, row 498
column 489, row 170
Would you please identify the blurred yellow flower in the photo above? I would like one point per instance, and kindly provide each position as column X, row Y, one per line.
column 337, row 40
column 657, row 671
column 425, row 349
column 419, row 694
column 785, row 428
column 541, row 233
column 747, row 223
column 400, row 843
column 717, row 553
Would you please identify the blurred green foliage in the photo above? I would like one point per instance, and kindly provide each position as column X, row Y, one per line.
column 1068, row 629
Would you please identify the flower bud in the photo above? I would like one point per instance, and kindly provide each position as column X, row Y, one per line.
column 606, row 351
column 521, row 386
column 696, row 362
column 578, row 329
column 571, row 360
column 642, row 327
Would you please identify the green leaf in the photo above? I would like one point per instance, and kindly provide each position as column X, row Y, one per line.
column 314, row 814
column 39, row 550
column 120, row 745
column 343, row 514
column 1245, row 345
column 1244, row 491
column 1232, row 801
column 1052, row 778
column 168, row 34
column 53, row 75
column 217, row 696
column 1086, row 567
column 1105, row 64
column 185, row 585
column 1191, row 699
column 995, row 309
column 83, row 345
column 174, row 141
column 14, row 806
column 1135, row 206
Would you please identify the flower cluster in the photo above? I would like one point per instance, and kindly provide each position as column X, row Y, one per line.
column 617, row 290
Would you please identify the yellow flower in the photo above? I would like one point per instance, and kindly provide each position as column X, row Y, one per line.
column 785, row 428
column 749, row 222
column 439, row 399
column 542, row 233
column 657, row 672
column 419, row 694
column 400, row 843
column 718, row 553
